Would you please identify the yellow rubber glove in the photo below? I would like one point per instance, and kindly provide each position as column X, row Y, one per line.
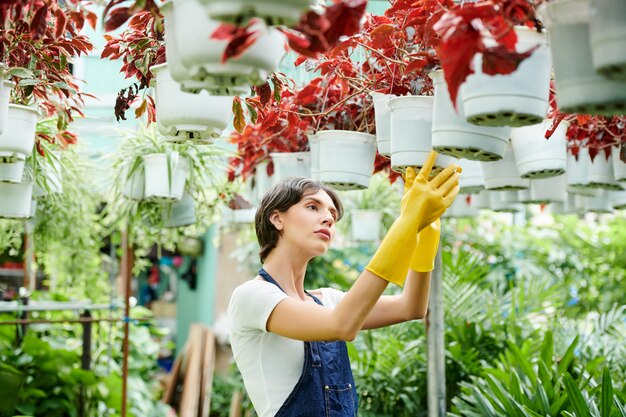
column 424, row 201
column 423, row 259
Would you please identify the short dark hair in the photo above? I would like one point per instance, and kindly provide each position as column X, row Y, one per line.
column 288, row 192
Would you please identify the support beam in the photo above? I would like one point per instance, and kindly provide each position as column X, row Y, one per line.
column 436, row 344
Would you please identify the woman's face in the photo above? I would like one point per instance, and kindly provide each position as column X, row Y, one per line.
column 310, row 223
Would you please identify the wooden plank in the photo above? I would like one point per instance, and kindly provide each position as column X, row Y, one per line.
column 208, row 366
column 236, row 404
column 172, row 378
column 190, row 401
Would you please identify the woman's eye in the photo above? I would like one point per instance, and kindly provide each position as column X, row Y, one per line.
column 312, row 205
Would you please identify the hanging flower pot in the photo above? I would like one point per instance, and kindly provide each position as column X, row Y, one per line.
column 19, row 133
column 230, row 216
column 291, row 164
column 16, row 200
column 579, row 88
column 503, row 174
column 189, row 30
column 505, row 201
column 599, row 204
column 50, row 181
column 567, row 206
column 536, row 156
column 5, row 94
column 453, row 135
column 516, row 99
column 165, row 176
column 365, row 225
column 274, row 12
column 548, row 190
column 482, row 200
column 618, row 200
column 135, row 184
column 577, row 171
column 619, row 166
column 262, row 183
column 315, row 156
column 600, row 173
column 336, row 169
column 471, row 181
column 607, row 34
column 185, row 114
column 180, row 213
column 523, row 197
column 411, row 133
column 11, row 166
column 464, row 206
column 381, row 112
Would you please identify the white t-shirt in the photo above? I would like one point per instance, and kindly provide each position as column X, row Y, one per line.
column 270, row 364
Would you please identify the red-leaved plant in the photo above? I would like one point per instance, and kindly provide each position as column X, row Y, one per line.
column 598, row 134
column 38, row 41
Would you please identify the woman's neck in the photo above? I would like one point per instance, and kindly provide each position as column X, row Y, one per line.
column 288, row 271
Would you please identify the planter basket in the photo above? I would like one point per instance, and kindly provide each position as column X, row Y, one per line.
column 600, row 174
column 134, row 186
column 51, row 181
column 411, row 133
column 505, row 202
column 482, row 200
column 383, row 122
column 158, row 187
column 618, row 200
column 188, row 40
column 315, row 156
column 464, row 206
column 503, row 175
column 608, row 37
column 343, row 172
column 619, row 166
column 16, row 200
column 274, row 12
column 365, row 225
column 579, row 88
column 11, row 166
column 536, row 156
column 262, row 183
column 516, row 99
column 19, row 133
column 599, row 204
column 523, row 197
column 471, row 180
column 290, row 164
column 548, row 190
column 568, row 206
column 180, row 213
column 5, row 95
column 577, row 172
column 187, row 115
column 453, row 135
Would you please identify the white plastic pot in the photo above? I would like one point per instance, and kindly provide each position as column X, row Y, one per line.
column 471, row 180
column 290, row 164
column 135, row 184
column 411, row 133
column 548, row 190
column 619, row 166
column 567, row 206
column 51, row 180
column 314, row 146
column 503, row 174
column 482, row 200
column 383, row 122
column 453, row 135
column 618, row 200
column 15, row 201
column 599, row 204
column 577, row 172
column 5, row 95
column 600, row 174
column 262, row 183
column 523, row 197
column 365, row 225
column 238, row 216
column 348, row 158
column 180, row 213
column 579, row 88
column 11, row 166
column 202, row 56
column 516, row 99
column 185, row 114
column 19, row 133
column 158, row 186
column 505, row 201
column 607, row 34
column 464, row 206
column 274, row 12
column 536, row 156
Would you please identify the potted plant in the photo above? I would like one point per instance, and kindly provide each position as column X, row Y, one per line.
column 503, row 175
column 608, row 38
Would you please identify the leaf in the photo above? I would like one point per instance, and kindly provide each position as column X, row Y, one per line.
column 139, row 111
column 117, row 18
column 253, row 113
column 21, row 72
column 576, row 398
column 60, row 23
column 382, row 36
column 265, row 92
column 38, row 24
column 499, row 60
column 240, row 122
column 607, row 394
column 344, row 19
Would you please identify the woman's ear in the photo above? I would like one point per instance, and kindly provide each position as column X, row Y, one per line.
column 276, row 220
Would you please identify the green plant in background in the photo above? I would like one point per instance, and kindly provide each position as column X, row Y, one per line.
column 224, row 386
column 599, row 403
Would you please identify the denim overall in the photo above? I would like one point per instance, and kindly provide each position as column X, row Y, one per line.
column 326, row 386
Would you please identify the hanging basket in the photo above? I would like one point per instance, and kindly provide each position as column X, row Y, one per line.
column 383, row 121
column 516, row 99
column 16, row 200
column 579, row 88
column 607, row 34
column 273, row 12
column 365, row 225
column 19, row 133
column 505, row 202
column 618, row 200
column 262, row 183
column 158, row 186
column 291, row 164
column 187, row 115
column 503, row 174
column 11, row 166
column 453, row 135
column 471, row 180
column 568, row 206
column 180, row 213
column 619, row 166
column 135, row 184
column 482, row 200
column 577, row 171
column 315, row 157
column 600, row 173
column 341, row 172
column 51, row 180
column 598, row 204
column 536, row 156
column 411, row 133
column 548, row 190
column 188, row 31
column 464, row 206
column 5, row 95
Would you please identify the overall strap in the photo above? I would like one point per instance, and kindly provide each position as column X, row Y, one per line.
column 267, row 277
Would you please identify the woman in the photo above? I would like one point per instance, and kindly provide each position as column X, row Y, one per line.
column 289, row 343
